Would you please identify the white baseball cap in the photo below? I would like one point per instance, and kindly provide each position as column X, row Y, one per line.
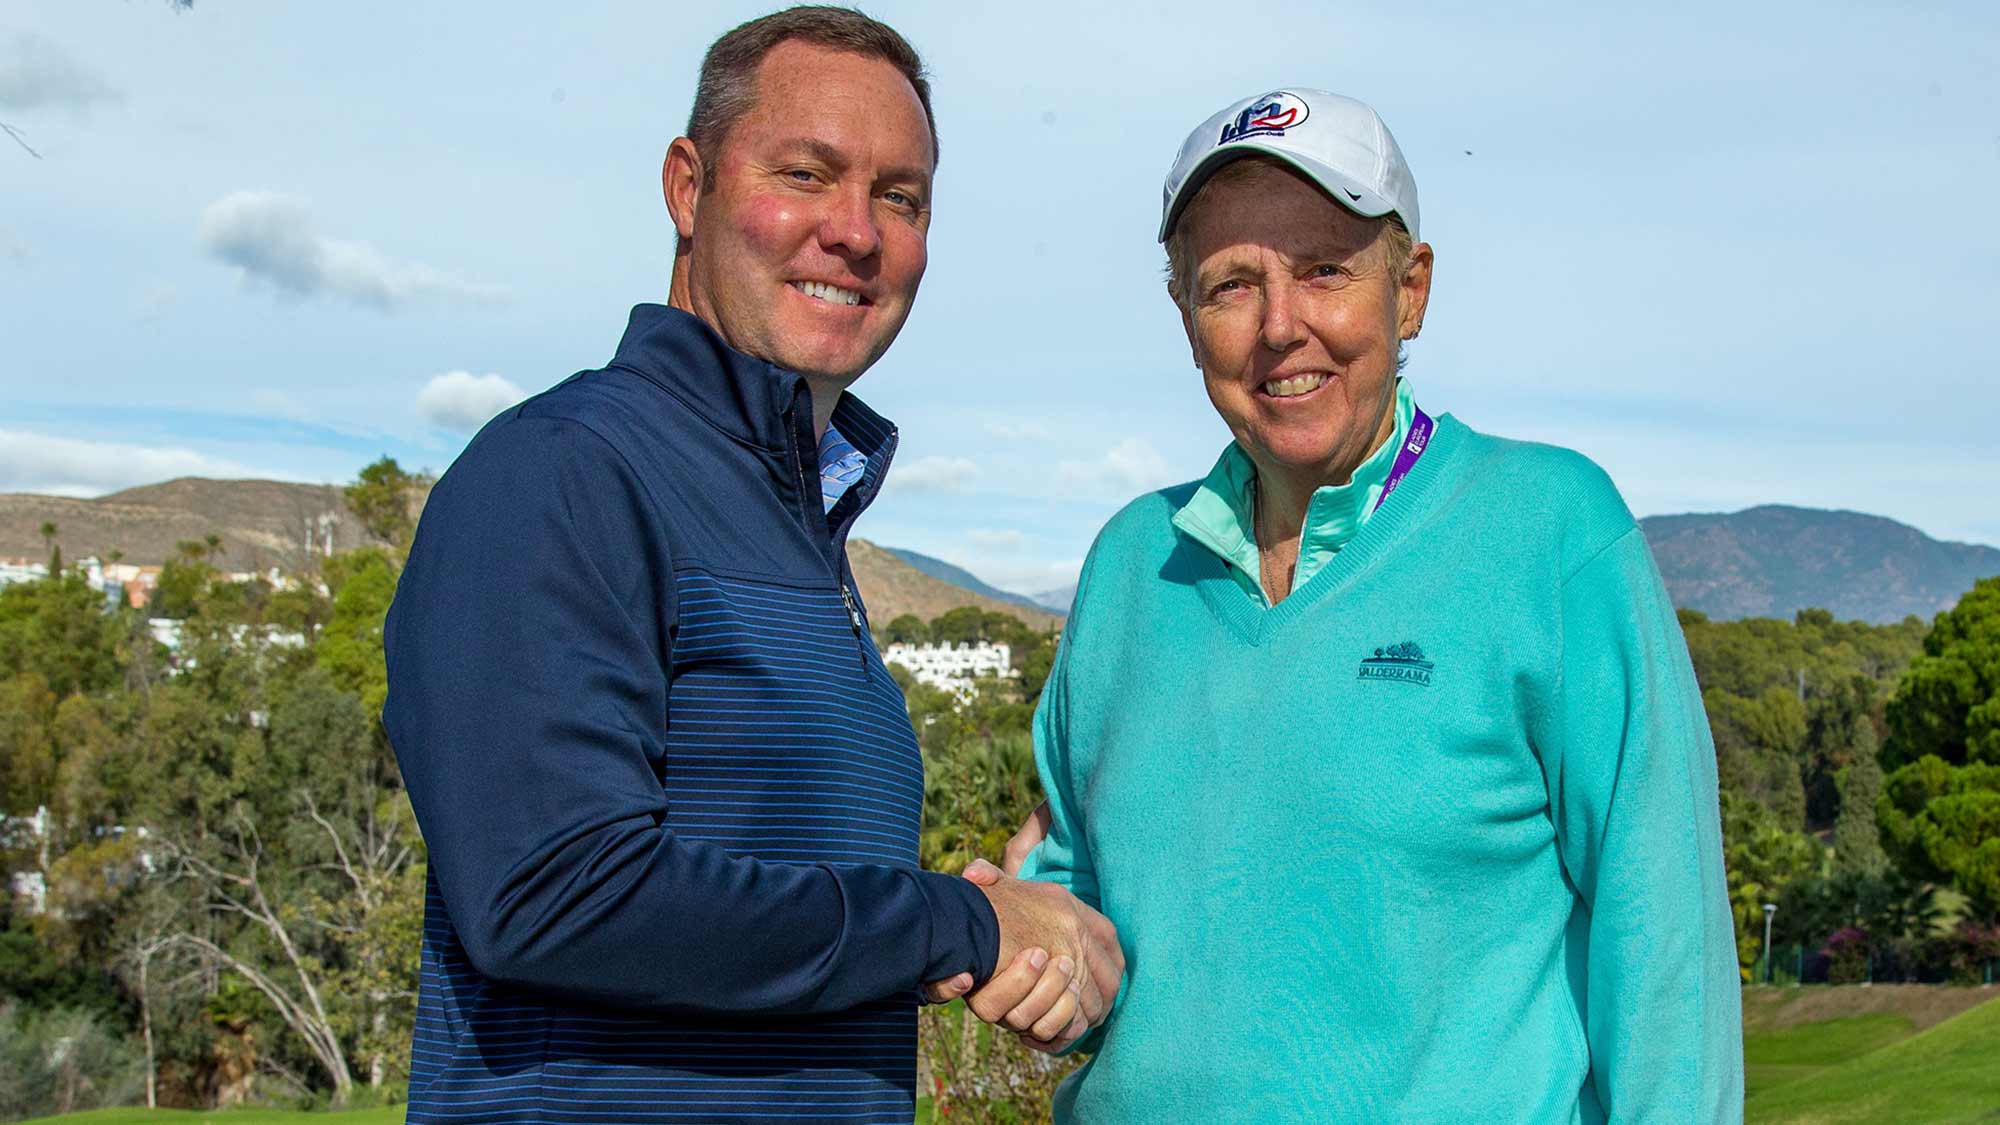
column 1336, row 142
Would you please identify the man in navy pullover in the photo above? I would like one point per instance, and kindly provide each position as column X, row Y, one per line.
column 671, row 795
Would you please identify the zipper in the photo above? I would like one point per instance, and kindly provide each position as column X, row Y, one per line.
column 854, row 619
column 847, row 599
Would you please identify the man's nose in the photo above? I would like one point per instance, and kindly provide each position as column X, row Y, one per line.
column 847, row 227
column 1281, row 327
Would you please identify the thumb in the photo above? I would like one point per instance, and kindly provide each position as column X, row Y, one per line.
column 983, row 873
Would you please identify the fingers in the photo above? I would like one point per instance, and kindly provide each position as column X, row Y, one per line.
column 1091, row 999
column 945, row 991
column 1103, row 960
column 1032, row 832
column 1076, row 1030
column 1008, row 987
column 1049, row 1007
column 983, row 873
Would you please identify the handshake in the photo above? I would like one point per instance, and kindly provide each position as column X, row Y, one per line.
column 1059, row 962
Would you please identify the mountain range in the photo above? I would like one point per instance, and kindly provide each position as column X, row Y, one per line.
column 1769, row 561
column 262, row 523
column 1775, row 560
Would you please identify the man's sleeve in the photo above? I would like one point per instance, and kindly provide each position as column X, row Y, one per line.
column 528, row 708
column 1632, row 788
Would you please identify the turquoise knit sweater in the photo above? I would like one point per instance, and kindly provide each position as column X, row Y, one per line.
column 1433, row 839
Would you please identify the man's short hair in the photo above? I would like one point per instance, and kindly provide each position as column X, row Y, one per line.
column 728, row 86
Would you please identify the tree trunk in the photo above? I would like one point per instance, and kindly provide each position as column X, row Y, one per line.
column 146, row 1030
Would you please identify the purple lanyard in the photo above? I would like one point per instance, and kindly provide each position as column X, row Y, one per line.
column 1406, row 457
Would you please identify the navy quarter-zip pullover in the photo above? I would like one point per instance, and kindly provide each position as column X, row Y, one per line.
column 670, row 792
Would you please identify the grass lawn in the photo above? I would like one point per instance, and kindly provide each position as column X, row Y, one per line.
column 1773, row 1058
column 1948, row 1073
column 388, row 1115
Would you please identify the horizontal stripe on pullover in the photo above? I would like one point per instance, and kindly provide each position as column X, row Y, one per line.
column 670, row 792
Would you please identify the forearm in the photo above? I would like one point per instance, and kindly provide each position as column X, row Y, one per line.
column 630, row 915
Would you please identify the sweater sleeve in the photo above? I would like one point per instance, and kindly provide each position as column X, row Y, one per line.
column 1063, row 857
column 1632, row 788
column 527, row 649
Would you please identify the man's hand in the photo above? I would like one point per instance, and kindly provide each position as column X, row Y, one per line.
column 1043, row 915
column 1034, row 995
column 1033, row 831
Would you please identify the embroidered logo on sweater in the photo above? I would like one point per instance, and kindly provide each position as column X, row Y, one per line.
column 1403, row 663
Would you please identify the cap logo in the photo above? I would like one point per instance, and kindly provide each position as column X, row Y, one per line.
column 1269, row 115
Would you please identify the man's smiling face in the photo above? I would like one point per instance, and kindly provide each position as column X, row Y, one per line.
column 807, row 240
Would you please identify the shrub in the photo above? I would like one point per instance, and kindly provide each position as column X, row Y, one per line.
column 62, row 1061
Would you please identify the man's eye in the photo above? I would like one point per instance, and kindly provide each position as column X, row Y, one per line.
column 900, row 199
column 801, row 175
column 1326, row 270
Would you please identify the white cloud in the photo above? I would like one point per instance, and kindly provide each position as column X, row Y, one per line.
column 997, row 539
column 1133, row 465
column 36, row 73
column 271, row 239
column 31, row 462
column 933, row 474
column 463, row 402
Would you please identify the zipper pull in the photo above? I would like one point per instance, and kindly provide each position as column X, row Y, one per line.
column 854, row 619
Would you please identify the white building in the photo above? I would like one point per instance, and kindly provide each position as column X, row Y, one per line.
column 952, row 668
column 21, row 570
column 167, row 631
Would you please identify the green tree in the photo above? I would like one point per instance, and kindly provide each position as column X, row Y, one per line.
column 1942, row 822
column 1940, row 808
column 962, row 626
column 1948, row 703
column 294, row 851
column 386, row 499
column 59, row 629
column 907, row 629
column 1857, row 841
column 183, row 581
column 1761, row 858
column 350, row 645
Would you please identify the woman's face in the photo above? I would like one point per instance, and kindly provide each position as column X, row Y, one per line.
column 1295, row 314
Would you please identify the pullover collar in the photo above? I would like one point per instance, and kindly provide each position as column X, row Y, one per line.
column 754, row 402
column 1220, row 514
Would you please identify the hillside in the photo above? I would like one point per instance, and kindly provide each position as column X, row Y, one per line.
column 262, row 522
column 966, row 580
column 1950, row 1072
column 1059, row 600
column 1775, row 560
column 892, row 587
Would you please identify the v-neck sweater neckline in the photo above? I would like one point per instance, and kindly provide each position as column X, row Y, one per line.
column 1257, row 623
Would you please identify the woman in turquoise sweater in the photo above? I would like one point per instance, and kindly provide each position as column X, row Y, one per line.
column 1380, row 745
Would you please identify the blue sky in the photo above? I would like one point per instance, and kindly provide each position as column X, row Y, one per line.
column 1736, row 253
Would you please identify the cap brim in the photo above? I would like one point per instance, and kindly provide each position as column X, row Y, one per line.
column 1342, row 189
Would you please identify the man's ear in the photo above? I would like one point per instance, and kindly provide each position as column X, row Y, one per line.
column 681, row 180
